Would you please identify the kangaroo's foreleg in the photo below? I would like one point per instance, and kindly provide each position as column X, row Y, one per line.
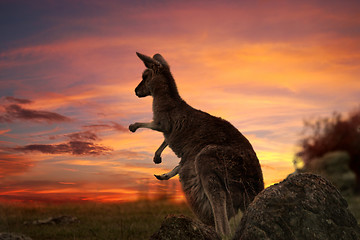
column 167, row 176
column 151, row 125
column 157, row 156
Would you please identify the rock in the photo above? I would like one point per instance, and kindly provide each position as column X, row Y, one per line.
column 181, row 227
column 303, row 206
column 334, row 166
column 13, row 236
column 54, row 220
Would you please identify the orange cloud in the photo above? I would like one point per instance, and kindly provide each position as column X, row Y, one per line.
column 67, row 183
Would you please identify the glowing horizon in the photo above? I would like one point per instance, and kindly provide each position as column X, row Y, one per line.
column 68, row 72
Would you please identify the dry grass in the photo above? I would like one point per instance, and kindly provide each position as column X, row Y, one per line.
column 137, row 220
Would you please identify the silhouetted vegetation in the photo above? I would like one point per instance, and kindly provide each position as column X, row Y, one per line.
column 334, row 133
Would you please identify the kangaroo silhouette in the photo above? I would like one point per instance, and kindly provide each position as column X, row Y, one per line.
column 219, row 170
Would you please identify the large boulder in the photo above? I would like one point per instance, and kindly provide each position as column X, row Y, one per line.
column 334, row 166
column 181, row 227
column 303, row 206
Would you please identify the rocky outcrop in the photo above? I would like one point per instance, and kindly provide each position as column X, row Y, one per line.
column 303, row 206
column 181, row 227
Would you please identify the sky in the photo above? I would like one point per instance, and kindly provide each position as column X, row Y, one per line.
column 68, row 71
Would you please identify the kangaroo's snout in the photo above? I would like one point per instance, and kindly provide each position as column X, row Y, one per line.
column 142, row 90
column 140, row 93
column 137, row 92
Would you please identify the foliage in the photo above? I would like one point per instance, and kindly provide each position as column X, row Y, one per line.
column 330, row 134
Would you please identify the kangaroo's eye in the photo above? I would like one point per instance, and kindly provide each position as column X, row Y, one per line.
column 146, row 75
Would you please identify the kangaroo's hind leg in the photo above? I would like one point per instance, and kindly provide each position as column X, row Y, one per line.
column 210, row 170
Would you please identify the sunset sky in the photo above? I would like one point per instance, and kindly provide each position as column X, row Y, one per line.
column 68, row 71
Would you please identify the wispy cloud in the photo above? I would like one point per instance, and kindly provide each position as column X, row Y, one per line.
column 11, row 164
column 110, row 125
column 86, row 135
column 15, row 112
column 71, row 147
column 17, row 100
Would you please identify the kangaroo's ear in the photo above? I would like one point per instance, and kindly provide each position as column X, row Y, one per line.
column 149, row 62
column 160, row 58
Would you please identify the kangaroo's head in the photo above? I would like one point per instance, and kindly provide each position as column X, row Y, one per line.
column 152, row 76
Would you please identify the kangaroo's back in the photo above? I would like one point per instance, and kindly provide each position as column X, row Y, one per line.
column 201, row 129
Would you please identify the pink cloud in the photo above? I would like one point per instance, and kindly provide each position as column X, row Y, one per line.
column 17, row 100
column 16, row 112
column 71, row 147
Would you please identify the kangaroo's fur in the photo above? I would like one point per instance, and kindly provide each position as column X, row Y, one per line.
column 219, row 170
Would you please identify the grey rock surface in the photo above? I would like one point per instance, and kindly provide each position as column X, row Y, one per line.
column 303, row 206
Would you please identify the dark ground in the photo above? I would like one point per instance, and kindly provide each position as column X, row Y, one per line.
column 136, row 220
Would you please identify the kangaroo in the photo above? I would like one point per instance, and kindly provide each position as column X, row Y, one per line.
column 219, row 170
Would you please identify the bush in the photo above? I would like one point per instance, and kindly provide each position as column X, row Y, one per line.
column 329, row 134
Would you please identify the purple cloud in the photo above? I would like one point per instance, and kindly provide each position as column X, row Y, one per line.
column 119, row 127
column 86, row 135
column 17, row 100
column 72, row 147
column 14, row 112
column 112, row 125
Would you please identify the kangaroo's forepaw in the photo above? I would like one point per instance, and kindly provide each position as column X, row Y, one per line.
column 162, row 177
column 157, row 159
column 133, row 127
